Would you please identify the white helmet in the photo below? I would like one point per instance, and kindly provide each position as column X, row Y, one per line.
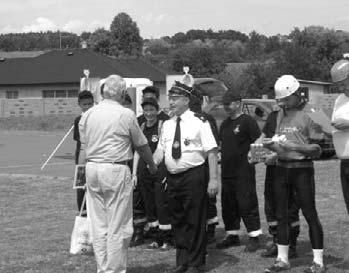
column 285, row 86
column 340, row 71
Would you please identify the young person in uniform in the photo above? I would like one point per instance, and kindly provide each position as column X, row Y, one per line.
column 141, row 228
column 268, row 131
column 195, row 105
column 152, row 187
column 340, row 120
column 239, row 196
column 85, row 101
column 295, row 170
column 185, row 143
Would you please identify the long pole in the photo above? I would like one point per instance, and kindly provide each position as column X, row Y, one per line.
column 57, row 147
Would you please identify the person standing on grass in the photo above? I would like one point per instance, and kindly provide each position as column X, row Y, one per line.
column 185, row 143
column 108, row 131
column 268, row 131
column 295, row 171
column 239, row 196
column 85, row 101
column 340, row 120
column 195, row 105
column 142, row 229
column 153, row 187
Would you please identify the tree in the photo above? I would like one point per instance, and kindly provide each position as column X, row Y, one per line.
column 125, row 37
column 201, row 60
column 100, row 41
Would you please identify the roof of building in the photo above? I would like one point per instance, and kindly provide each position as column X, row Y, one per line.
column 67, row 66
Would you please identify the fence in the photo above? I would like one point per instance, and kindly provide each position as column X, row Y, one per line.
column 38, row 107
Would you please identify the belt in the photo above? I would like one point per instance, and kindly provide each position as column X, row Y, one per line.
column 124, row 162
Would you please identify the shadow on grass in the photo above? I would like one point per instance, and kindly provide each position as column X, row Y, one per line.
column 156, row 268
column 305, row 256
column 218, row 258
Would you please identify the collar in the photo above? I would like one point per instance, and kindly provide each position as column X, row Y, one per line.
column 186, row 115
column 110, row 102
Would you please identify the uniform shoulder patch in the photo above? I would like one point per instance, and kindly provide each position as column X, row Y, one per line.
column 201, row 116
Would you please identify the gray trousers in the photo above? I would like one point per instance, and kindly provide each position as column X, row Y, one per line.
column 109, row 205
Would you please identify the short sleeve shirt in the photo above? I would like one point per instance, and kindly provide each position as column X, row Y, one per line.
column 196, row 140
column 108, row 131
column 236, row 135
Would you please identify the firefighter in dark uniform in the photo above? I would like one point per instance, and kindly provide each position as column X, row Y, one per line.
column 295, row 171
column 141, row 229
column 239, row 196
column 268, row 131
column 195, row 105
column 186, row 141
column 153, row 187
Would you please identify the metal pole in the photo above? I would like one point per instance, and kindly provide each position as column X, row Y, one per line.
column 57, row 147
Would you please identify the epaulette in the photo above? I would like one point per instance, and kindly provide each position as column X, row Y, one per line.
column 201, row 116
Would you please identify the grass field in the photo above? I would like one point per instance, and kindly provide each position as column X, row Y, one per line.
column 37, row 215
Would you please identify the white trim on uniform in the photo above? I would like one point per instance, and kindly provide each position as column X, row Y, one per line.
column 165, row 227
column 255, row 233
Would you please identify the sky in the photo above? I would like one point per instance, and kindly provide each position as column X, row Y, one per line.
column 156, row 18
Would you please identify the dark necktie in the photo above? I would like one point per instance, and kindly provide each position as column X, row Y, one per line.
column 176, row 146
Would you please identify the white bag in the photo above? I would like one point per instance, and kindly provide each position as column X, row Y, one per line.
column 81, row 239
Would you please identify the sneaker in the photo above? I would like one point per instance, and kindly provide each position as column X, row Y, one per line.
column 252, row 245
column 278, row 266
column 229, row 241
column 153, row 245
column 315, row 268
column 271, row 251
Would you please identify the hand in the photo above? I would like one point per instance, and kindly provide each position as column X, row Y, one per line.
column 340, row 124
column 289, row 145
column 134, row 180
column 153, row 169
column 212, row 188
column 249, row 157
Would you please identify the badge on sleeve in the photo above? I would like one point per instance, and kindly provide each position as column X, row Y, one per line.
column 186, row 141
column 175, row 144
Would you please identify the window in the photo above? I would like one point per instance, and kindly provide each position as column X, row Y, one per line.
column 73, row 93
column 52, row 94
column 11, row 94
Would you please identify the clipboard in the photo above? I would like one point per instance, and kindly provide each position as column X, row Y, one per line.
column 79, row 181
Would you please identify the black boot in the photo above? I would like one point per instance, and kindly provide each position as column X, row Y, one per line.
column 252, row 245
column 292, row 252
column 211, row 230
column 271, row 250
column 137, row 238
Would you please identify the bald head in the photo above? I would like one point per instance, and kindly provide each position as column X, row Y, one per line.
column 114, row 87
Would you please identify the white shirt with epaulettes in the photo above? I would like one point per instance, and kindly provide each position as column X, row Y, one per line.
column 196, row 140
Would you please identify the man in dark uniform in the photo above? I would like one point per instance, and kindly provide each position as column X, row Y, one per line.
column 239, row 196
column 195, row 105
column 186, row 141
